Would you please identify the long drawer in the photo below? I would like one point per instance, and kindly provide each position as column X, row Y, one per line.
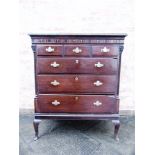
column 77, row 83
column 77, row 65
column 76, row 104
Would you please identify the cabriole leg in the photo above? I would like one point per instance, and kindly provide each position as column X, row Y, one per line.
column 116, row 128
column 36, row 126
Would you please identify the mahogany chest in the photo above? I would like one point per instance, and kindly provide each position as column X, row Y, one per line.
column 77, row 77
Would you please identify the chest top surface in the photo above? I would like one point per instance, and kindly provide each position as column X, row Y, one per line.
column 78, row 38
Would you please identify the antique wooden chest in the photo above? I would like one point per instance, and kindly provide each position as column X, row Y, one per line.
column 77, row 77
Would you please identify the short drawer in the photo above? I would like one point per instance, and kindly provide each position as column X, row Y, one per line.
column 106, row 66
column 49, row 50
column 77, row 83
column 76, row 104
column 105, row 50
column 77, row 50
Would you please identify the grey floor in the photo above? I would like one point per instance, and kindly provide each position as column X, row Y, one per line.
column 76, row 137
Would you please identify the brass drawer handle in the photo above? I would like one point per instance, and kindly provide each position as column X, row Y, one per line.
column 55, row 102
column 99, row 65
column 55, row 83
column 55, row 64
column 98, row 83
column 76, row 78
column 76, row 98
column 49, row 49
column 97, row 103
column 105, row 50
column 77, row 50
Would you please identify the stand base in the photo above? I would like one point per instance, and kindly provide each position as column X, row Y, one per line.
column 64, row 116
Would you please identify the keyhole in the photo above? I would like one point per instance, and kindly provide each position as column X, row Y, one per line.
column 76, row 61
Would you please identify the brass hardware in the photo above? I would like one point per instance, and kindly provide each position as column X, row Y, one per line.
column 55, row 83
column 49, row 49
column 97, row 103
column 54, row 64
column 105, row 50
column 76, row 98
column 98, row 83
column 99, row 65
column 55, row 102
column 76, row 78
column 76, row 61
column 77, row 50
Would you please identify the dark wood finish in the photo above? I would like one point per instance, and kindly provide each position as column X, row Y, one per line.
column 76, row 97
column 121, row 47
column 36, row 126
column 113, row 50
column 116, row 128
column 41, row 50
column 77, row 104
column 76, row 84
column 77, row 50
column 77, row 39
column 76, row 116
column 77, row 65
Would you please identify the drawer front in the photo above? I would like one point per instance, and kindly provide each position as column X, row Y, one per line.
column 76, row 83
column 49, row 49
column 77, row 104
column 81, row 65
column 105, row 50
column 77, row 50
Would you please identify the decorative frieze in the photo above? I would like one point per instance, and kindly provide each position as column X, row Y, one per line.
column 77, row 41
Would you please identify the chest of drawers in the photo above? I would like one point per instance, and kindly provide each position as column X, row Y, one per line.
column 77, row 77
